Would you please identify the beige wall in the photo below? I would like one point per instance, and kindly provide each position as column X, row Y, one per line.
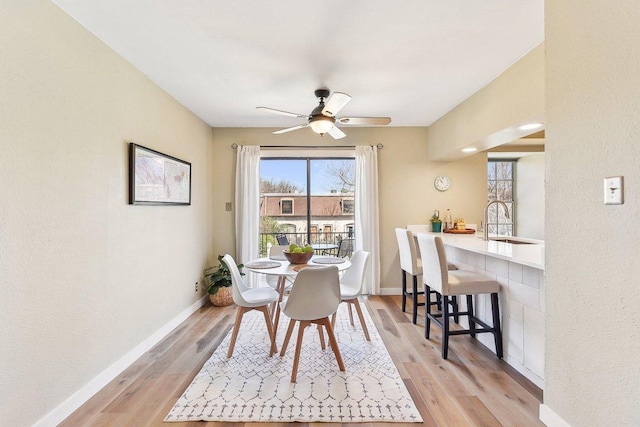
column 593, row 321
column 490, row 116
column 406, row 175
column 530, row 196
column 84, row 277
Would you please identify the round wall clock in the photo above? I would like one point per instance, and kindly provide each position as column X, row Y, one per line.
column 442, row 183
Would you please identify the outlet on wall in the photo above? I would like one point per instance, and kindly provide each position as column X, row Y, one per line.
column 196, row 286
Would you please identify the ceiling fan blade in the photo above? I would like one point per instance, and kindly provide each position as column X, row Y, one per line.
column 278, row 132
column 335, row 103
column 336, row 133
column 364, row 120
column 284, row 113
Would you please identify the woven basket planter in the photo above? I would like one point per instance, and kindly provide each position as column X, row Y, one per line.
column 223, row 297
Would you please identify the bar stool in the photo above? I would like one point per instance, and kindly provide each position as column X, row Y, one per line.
column 452, row 283
column 412, row 264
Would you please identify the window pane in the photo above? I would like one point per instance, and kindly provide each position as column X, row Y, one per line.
column 491, row 170
column 500, row 186
column 332, row 192
column 504, row 190
column 504, row 170
column 318, row 214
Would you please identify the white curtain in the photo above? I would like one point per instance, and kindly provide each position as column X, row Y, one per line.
column 366, row 214
column 247, row 206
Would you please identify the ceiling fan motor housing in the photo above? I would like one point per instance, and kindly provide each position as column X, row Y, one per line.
column 322, row 93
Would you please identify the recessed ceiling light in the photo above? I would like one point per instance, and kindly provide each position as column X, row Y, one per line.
column 530, row 126
column 469, row 150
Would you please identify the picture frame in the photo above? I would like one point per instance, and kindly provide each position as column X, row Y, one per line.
column 157, row 179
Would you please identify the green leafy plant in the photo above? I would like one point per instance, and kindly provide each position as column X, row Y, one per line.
column 219, row 276
column 435, row 218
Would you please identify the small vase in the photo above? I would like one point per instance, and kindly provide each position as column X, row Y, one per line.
column 436, row 227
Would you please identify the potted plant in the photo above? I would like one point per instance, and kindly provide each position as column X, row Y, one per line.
column 219, row 280
column 436, row 222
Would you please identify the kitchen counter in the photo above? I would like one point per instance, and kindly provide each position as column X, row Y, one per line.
column 519, row 269
column 530, row 254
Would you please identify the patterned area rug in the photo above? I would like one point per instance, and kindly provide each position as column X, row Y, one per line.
column 253, row 387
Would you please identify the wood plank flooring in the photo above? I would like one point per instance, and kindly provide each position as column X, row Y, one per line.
column 471, row 388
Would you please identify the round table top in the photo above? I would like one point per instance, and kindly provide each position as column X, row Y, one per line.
column 287, row 269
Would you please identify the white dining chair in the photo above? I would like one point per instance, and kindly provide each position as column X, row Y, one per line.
column 451, row 283
column 351, row 284
column 314, row 297
column 248, row 299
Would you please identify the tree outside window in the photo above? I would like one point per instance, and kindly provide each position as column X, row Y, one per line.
column 500, row 186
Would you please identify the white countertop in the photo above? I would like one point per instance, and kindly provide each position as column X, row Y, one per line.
column 531, row 255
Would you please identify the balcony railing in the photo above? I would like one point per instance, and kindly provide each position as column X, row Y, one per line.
column 300, row 239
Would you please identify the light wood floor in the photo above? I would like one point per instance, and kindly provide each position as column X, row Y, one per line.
column 471, row 388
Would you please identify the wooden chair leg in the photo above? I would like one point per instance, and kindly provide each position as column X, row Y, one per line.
column 404, row 291
column 292, row 323
column 267, row 318
column 333, row 319
column 356, row 304
column 472, row 324
column 236, row 327
column 454, row 306
column 350, row 316
column 322, row 345
column 414, row 318
column 282, row 283
column 296, row 359
column 427, row 313
column 333, row 341
column 497, row 332
column 445, row 326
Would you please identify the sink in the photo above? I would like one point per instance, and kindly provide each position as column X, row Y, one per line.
column 512, row 241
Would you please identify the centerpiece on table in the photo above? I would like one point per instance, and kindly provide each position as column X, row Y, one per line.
column 298, row 254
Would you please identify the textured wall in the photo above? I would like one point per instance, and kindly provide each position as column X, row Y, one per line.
column 593, row 130
column 530, row 196
column 84, row 277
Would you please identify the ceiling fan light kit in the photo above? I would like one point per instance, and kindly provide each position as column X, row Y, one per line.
column 322, row 119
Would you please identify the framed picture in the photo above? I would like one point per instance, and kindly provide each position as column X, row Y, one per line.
column 157, row 179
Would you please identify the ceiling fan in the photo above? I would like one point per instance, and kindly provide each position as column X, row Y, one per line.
column 323, row 118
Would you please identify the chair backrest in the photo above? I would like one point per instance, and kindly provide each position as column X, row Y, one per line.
column 315, row 294
column 237, row 283
column 282, row 239
column 434, row 263
column 353, row 277
column 345, row 248
column 419, row 228
column 277, row 250
column 408, row 251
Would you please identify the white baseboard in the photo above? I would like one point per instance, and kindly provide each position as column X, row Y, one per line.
column 66, row 408
column 390, row 291
column 550, row 418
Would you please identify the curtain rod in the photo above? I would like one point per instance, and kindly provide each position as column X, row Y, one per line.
column 313, row 147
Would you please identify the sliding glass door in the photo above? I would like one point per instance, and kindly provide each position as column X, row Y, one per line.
column 305, row 200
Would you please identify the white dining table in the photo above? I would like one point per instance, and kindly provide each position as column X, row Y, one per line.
column 286, row 270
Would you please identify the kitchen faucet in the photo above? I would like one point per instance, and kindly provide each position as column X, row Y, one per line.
column 485, row 227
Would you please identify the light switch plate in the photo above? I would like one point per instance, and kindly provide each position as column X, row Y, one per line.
column 227, row 206
column 613, row 190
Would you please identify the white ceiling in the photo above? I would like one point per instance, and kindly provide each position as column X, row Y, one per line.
column 412, row 60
